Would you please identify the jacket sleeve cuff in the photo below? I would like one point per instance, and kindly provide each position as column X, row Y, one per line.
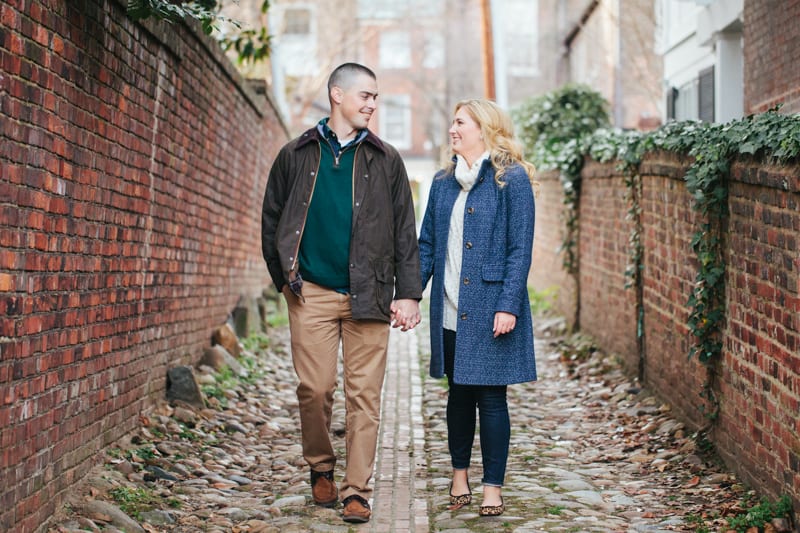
column 509, row 304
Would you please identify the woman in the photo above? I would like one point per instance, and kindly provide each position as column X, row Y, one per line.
column 476, row 242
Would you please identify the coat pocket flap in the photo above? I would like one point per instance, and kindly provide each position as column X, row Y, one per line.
column 493, row 272
column 383, row 271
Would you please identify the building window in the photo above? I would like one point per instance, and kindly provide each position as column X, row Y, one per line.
column 685, row 102
column 295, row 47
column 395, row 120
column 694, row 100
column 672, row 98
column 520, row 36
column 395, row 50
column 427, row 8
column 380, row 9
column 433, row 50
column 297, row 22
column 705, row 96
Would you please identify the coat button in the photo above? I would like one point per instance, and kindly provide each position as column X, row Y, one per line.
column 466, row 281
column 468, row 245
column 355, row 297
column 470, row 210
column 463, row 316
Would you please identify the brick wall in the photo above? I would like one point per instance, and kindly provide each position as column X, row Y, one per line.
column 771, row 47
column 758, row 383
column 134, row 160
column 761, row 367
column 604, row 257
column 668, row 223
column 546, row 270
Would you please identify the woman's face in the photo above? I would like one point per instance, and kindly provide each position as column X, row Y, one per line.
column 465, row 136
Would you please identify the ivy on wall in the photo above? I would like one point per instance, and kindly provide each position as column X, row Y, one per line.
column 251, row 45
column 772, row 137
column 553, row 128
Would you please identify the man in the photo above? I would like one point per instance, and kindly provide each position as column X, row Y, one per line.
column 339, row 238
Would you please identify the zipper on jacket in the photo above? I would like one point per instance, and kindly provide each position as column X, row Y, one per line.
column 336, row 156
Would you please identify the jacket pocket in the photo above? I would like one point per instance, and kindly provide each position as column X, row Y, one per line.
column 384, row 286
column 493, row 272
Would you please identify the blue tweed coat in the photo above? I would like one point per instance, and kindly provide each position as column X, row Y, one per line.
column 498, row 241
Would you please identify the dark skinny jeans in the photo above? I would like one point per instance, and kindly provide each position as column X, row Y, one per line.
column 495, row 426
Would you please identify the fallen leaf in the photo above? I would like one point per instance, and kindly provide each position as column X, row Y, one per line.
column 694, row 482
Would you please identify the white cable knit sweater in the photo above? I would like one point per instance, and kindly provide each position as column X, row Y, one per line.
column 466, row 177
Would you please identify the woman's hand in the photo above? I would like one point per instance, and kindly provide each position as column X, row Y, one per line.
column 405, row 314
column 503, row 323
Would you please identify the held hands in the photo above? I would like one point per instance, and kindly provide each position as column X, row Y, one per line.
column 405, row 314
column 503, row 323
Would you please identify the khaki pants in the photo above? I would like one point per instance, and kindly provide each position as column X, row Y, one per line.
column 317, row 327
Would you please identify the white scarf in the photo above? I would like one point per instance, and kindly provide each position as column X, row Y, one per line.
column 466, row 177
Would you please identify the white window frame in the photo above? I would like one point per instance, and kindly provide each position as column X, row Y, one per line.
column 401, row 105
column 394, row 49
column 296, row 53
column 433, row 50
column 521, row 15
column 290, row 9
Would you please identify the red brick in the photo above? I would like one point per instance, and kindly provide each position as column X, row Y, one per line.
column 7, row 282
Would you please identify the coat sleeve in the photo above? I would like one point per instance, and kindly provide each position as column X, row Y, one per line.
column 519, row 241
column 271, row 210
column 406, row 249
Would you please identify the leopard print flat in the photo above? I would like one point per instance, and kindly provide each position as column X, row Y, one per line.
column 457, row 502
column 492, row 510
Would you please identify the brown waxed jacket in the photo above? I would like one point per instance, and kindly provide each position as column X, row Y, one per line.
column 384, row 255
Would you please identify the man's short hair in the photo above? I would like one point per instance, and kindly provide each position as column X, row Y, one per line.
column 343, row 75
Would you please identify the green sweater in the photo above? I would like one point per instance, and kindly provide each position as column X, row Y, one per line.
column 325, row 246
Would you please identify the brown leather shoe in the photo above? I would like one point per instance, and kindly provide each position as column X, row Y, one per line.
column 356, row 509
column 323, row 488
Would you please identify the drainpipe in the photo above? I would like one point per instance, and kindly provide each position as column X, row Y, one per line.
column 619, row 115
column 488, row 50
column 500, row 59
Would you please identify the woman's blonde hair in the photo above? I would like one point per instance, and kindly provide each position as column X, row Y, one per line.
column 497, row 131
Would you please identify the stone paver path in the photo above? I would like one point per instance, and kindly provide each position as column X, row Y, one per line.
column 591, row 452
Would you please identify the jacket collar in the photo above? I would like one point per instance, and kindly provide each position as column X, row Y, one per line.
column 312, row 135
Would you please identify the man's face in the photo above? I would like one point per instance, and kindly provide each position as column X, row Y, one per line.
column 358, row 102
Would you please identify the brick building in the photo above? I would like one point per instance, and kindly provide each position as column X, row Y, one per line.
column 724, row 59
column 609, row 45
column 703, row 59
column 771, row 48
